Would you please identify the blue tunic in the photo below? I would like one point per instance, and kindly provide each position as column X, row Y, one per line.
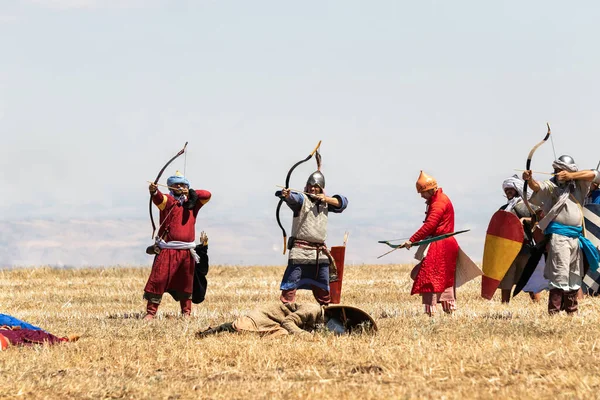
column 595, row 195
column 12, row 321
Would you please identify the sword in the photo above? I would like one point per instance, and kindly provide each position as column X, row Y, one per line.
column 424, row 241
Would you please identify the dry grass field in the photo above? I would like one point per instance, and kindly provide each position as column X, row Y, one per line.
column 485, row 350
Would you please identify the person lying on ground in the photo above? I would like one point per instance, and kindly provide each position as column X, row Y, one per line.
column 298, row 319
column 14, row 332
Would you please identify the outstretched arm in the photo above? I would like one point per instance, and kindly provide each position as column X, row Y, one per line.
column 292, row 199
column 159, row 199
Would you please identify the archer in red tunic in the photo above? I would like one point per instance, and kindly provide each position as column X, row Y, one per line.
column 173, row 267
column 434, row 279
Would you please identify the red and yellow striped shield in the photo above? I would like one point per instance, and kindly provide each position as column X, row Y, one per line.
column 503, row 242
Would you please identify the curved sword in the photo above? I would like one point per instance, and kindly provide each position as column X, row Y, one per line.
column 424, row 241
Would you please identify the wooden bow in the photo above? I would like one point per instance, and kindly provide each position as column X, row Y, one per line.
column 156, row 182
column 287, row 185
column 527, row 168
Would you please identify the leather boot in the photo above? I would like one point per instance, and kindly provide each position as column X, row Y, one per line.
column 535, row 297
column 555, row 299
column 151, row 310
column 288, row 296
column 322, row 296
column 570, row 301
column 186, row 307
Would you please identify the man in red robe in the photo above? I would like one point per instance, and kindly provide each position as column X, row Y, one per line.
column 434, row 278
column 173, row 267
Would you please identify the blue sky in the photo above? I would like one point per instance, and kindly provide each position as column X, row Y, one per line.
column 95, row 96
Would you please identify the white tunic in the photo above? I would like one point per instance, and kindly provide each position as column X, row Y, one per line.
column 564, row 265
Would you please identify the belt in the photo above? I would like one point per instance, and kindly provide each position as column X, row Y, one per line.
column 303, row 244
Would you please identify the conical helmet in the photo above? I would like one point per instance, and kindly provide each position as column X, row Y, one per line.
column 316, row 179
column 425, row 182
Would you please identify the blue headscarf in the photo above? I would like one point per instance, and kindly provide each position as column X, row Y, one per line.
column 177, row 179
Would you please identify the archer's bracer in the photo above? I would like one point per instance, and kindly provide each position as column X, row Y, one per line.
column 354, row 319
column 316, row 179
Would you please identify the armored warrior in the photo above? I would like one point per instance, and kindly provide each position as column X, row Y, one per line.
column 310, row 265
column 513, row 189
column 561, row 198
column 434, row 275
column 175, row 259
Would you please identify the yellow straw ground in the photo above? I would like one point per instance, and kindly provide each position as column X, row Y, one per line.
column 485, row 350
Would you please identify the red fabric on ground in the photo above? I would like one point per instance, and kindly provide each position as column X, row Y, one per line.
column 28, row 337
column 438, row 267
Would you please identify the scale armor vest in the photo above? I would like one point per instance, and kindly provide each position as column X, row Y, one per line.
column 309, row 225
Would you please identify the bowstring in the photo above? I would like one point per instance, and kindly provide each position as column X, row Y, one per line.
column 553, row 149
column 395, row 240
column 185, row 163
column 172, row 208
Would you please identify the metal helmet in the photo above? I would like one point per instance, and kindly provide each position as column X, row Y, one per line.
column 566, row 159
column 336, row 326
column 425, row 183
column 353, row 319
column 316, row 179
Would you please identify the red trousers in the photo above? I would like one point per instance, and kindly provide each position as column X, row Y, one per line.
column 173, row 272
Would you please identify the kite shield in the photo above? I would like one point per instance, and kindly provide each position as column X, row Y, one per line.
column 591, row 213
column 353, row 318
column 503, row 242
column 335, row 288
